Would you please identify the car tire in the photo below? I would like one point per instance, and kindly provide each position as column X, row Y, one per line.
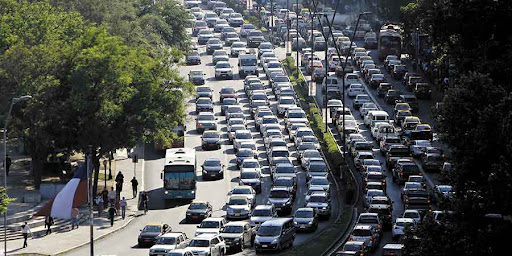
column 242, row 245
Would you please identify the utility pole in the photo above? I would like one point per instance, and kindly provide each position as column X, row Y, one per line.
column 91, row 206
column 297, row 48
column 288, row 23
column 271, row 18
column 325, row 78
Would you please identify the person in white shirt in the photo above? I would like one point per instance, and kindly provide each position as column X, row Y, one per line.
column 25, row 230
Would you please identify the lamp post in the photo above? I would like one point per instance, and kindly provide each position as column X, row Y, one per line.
column 13, row 101
column 288, row 23
column 105, row 176
column 297, row 19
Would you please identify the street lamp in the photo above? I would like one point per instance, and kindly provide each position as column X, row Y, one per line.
column 105, row 177
column 13, row 101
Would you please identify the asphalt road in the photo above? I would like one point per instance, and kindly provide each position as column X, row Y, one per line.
column 124, row 242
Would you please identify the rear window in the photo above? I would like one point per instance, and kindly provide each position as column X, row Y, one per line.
column 411, row 169
column 361, row 232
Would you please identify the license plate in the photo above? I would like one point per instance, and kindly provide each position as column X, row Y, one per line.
column 264, row 246
column 237, row 214
column 213, row 174
column 302, row 226
column 179, row 196
column 147, row 240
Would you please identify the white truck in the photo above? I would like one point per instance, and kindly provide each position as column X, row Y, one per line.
column 247, row 64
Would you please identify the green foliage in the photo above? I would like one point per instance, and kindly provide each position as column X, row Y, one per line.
column 5, row 201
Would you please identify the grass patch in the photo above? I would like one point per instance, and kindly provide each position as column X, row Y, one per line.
column 324, row 240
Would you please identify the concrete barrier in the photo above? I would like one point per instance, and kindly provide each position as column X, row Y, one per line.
column 50, row 190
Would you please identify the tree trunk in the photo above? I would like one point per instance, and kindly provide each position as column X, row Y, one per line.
column 96, row 170
column 37, row 168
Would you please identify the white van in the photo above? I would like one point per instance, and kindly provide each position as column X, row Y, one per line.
column 247, row 64
column 375, row 116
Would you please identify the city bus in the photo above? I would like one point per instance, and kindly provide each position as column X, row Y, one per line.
column 179, row 174
column 390, row 41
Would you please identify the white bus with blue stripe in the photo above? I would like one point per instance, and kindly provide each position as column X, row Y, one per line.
column 179, row 173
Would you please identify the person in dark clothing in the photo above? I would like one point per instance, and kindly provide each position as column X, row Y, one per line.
column 111, row 213
column 120, row 177
column 104, row 195
column 8, row 163
column 144, row 201
column 48, row 222
column 135, row 184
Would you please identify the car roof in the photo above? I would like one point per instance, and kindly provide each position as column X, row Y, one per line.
column 205, row 236
column 263, row 207
column 279, row 189
column 155, row 224
column 404, row 220
column 393, row 246
column 275, row 222
column 214, row 219
column 236, row 223
column 362, row 226
column 172, row 234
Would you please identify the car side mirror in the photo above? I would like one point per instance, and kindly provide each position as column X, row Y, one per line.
column 161, row 176
column 198, row 226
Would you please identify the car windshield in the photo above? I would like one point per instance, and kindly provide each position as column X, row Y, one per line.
column 411, row 215
column 243, row 135
column 273, row 65
column 241, row 191
column 209, row 224
column 199, row 243
column 374, row 176
column 203, row 89
column 318, row 199
column 296, row 115
column 352, row 247
column 233, row 229
column 444, row 189
column 204, row 101
column 375, row 193
column 248, row 26
column 238, row 45
column 227, row 90
column 197, row 206
column 319, row 181
column 222, row 65
column 250, row 164
column 304, row 214
column 280, row 153
column 196, row 73
column 283, row 182
column 402, row 224
column 286, row 101
column 255, row 33
column 285, row 169
column 361, row 232
column 237, row 201
column 249, row 175
column 212, row 162
column 151, row 229
column 281, row 79
column 166, row 240
column 206, row 118
column 211, row 135
column 279, row 194
column 269, row 231
column 262, row 213
column 214, row 41
column 318, row 167
column 363, row 97
column 245, row 153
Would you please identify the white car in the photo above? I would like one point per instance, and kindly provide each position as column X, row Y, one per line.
column 351, row 78
column 242, row 136
column 238, row 207
column 262, row 213
column 284, row 103
column 400, row 225
column 223, row 70
column 168, row 242
column 208, row 244
column 384, row 130
column 413, row 214
column 245, row 190
column 235, row 19
column 210, row 226
column 367, row 107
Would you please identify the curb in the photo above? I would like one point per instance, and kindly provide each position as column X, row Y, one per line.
column 98, row 238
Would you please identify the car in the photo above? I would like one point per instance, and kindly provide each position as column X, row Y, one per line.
column 409, row 124
column 275, row 234
column 432, row 161
column 418, row 147
column 376, row 79
column 399, row 227
column 409, row 186
column 316, row 168
column 411, row 99
column 399, row 71
column 169, row 242
column 213, row 44
column 321, row 203
column 210, row 139
column 193, row 58
column 412, row 214
column 371, row 219
column 148, row 235
column 305, row 218
column 242, row 136
column 238, row 207
column 244, row 153
column 235, row 19
column 354, row 89
column 249, row 176
column 400, row 106
column 320, row 181
column 384, row 211
column 393, row 249
column 210, row 225
column 367, row 107
column 360, row 99
column 204, row 104
column 255, row 38
column 245, row 190
column 196, row 77
column 227, row 92
column 392, row 95
column 286, row 182
column 238, row 48
column 282, row 199
column 244, row 30
column 366, row 233
column 309, row 155
column 203, row 36
column 262, row 213
column 353, row 248
column 383, row 88
column 208, row 244
column 226, row 103
column 396, row 152
column 402, row 171
column 198, row 211
column 212, row 168
column 371, row 193
column 223, row 70
column 206, row 121
column 441, row 193
column 238, row 234
column 283, row 170
column 387, row 142
column 204, row 91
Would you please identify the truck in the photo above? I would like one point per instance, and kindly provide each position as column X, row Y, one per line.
column 247, row 64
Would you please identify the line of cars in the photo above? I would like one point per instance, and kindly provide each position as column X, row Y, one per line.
column 272, row 225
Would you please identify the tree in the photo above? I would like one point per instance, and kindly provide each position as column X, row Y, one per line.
column 5, row 201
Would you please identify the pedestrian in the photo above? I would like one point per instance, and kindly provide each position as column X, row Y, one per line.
column 123, row 207
column 144, row 201
column 112, row 197
column 100, row 204
column 8, row 163
column 25, row 230
column 118, row 204
column 75, row 217
column 120, row 177
column 104, row 196
column 135, row 184
column 48, row 222
column 111, row 213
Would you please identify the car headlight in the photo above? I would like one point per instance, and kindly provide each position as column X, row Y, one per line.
column 275, row 241
column 256, row 241
column 295, row 223
column 236, row 240
column 188, row 214
column 230, row 211
column 310, row 223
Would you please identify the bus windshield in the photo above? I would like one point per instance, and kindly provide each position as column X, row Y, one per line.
column 179, row 177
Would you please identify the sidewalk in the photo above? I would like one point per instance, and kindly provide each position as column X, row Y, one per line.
column 67, row 239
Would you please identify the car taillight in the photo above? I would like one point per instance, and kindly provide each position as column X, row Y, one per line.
column 351, row 238
column 401, row 174
column 371, row 239
column 389, row 159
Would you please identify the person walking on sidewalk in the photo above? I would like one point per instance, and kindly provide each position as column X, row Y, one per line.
column 123, row 207
column 75, row 217
column 112, row 197
column 119, row 182
column 99, row 204
column 135, row 184
column 8, row 163
column 48, row 222
column 25, row 230
column 111, row 213
column 144, row 200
